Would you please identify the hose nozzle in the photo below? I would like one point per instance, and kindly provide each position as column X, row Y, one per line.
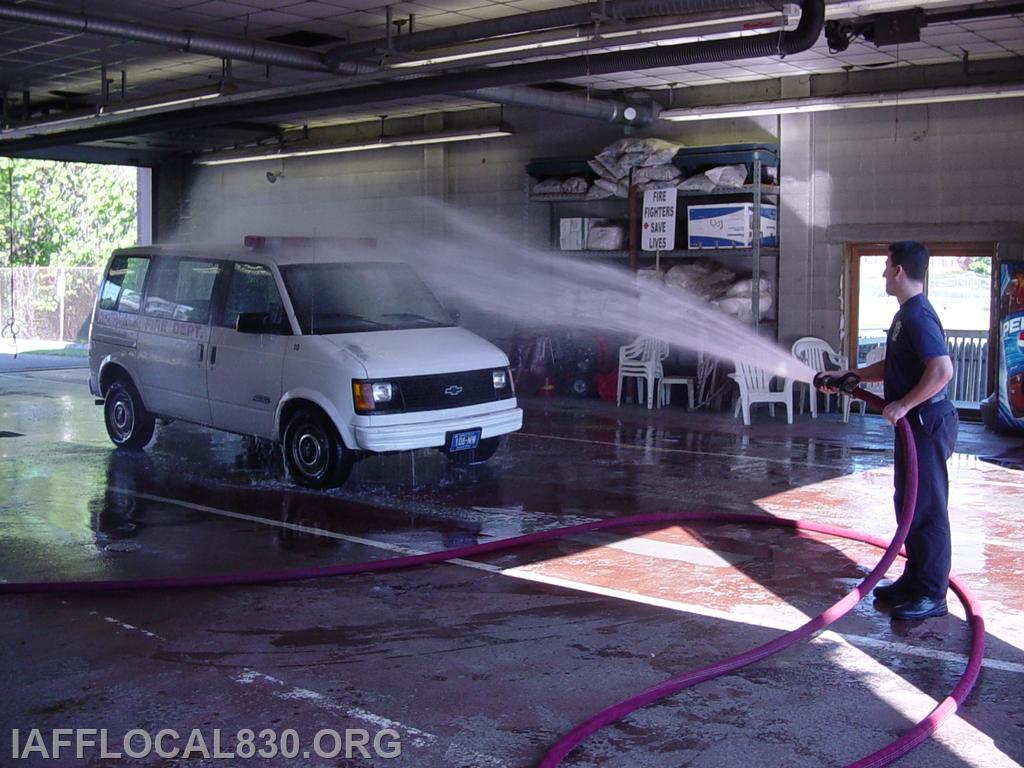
column 845, row 383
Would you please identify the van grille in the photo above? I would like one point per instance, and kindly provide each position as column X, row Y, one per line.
column 448, row 390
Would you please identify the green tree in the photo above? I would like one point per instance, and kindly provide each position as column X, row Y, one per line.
column 59, row 214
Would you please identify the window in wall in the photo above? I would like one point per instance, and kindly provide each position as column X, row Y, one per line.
column 959, row 286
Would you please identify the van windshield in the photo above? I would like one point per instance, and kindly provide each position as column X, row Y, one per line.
column 361, row 296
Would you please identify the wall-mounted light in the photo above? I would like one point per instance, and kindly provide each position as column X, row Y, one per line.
column 273, row 176
column 853, row 101
column 407, row 140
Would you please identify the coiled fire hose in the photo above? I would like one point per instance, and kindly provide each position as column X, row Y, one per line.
column 901, row 746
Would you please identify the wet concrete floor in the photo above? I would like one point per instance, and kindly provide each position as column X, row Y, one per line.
column 486, row 663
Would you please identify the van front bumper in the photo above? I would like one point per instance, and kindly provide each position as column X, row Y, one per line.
column 431, row 434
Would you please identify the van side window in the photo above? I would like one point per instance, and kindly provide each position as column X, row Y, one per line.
column 181, row 289
column 252, row 289
column 122, row 287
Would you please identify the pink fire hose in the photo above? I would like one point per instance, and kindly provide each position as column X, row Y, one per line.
column 616, row 711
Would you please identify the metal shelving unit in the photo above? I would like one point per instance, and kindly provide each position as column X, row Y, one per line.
column 689, row 160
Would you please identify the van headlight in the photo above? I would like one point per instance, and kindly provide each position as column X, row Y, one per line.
column 503, row 384
column 369, row 396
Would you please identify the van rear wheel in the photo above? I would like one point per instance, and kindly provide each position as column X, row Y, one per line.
column 313, row 450
column 128, row 423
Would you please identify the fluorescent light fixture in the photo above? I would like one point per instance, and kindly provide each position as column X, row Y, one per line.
column 491, row 52
column 610, row 39
column 114, row 109
column 854, row 101
column 384, row 142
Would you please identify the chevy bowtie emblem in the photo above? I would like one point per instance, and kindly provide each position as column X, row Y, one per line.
column 453, row 391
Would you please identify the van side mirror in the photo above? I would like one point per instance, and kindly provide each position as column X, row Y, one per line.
column 252, row 322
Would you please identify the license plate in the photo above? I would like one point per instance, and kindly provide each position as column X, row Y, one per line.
column 463, row 441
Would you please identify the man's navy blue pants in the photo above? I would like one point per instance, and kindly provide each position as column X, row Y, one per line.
column 934, row 426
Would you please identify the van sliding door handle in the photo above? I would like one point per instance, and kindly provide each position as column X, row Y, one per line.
column 213, row 355
column 200, row 353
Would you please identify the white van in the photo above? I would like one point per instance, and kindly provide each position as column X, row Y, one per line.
column 330, row 357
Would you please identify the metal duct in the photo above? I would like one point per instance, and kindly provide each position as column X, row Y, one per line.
column 191, row 42
column 569, row 16
column 567, row 104
column 759, row 46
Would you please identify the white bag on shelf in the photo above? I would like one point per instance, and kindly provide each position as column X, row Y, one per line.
column 699, row 182
column 745, row 287
column 656, row 173
column 728, row 175
column 574, row 185
column 599, row 193
column 547, row 187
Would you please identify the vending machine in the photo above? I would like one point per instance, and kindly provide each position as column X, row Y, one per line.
column 1011, row 346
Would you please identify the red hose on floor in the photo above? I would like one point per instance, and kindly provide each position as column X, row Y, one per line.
column 620, row 709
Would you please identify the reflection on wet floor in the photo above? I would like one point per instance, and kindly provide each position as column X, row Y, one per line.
column 199, row 501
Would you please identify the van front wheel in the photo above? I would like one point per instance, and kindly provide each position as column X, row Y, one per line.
column 128, row 422
column 314, row 452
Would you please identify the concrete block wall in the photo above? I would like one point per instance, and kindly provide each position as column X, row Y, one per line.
column 938, row 173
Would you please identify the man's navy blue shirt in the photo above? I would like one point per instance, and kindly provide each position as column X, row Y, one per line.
column 915, row 337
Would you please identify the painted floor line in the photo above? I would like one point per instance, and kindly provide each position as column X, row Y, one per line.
column 769, row 620
column 418, row 738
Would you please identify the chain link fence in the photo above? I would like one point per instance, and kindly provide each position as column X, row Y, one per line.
column 52, row 303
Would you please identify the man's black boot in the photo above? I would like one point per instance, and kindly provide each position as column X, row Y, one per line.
column 894, row 593
column 921, row 608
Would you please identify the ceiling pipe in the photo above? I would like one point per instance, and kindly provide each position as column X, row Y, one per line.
column 608, row 110
column 286, row 56
column 779, row 43
column 190, row 42
column 554, row 18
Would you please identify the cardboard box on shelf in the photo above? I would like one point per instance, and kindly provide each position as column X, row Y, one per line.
column 606, row 237
column 729, row 225
column 572, row 233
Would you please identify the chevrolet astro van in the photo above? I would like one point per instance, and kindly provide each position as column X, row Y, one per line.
column 331, row 358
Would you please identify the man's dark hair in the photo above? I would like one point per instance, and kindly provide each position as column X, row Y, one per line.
column 912, row 256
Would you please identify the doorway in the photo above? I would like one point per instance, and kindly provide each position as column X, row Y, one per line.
column 959, row 286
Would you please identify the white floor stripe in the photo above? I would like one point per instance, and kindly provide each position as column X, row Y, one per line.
column 416, row 737
column 770, row 619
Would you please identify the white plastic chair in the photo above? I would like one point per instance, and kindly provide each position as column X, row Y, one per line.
column 876, row 387
column 819, row 355
column 666, row 384
column 755, row 387
column 641, row 360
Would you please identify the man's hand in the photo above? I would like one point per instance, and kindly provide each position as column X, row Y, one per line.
column 834, row 375
column 895, row 411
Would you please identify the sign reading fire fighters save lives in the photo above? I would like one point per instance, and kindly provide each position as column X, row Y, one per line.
column 659, row 220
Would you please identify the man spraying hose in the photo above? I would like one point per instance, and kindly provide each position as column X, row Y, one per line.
column 915, row 372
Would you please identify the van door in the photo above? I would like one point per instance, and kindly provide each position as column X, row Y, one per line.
column 174, row 333
column 245, row 369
